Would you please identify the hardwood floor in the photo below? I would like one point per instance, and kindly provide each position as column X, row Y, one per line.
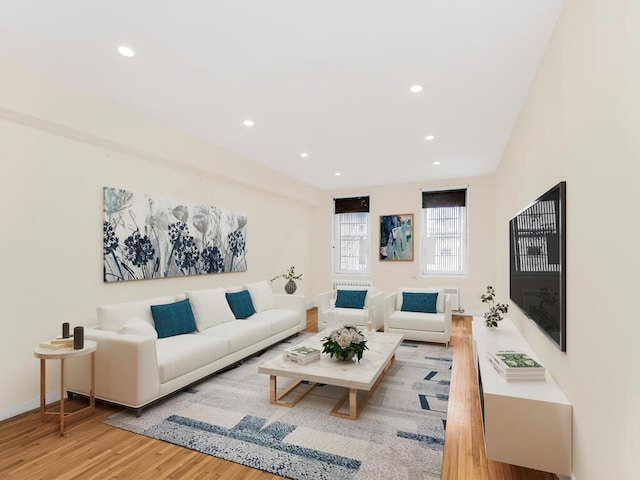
column 30, row 449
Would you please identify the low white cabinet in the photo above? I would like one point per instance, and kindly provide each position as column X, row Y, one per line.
column 525, row 423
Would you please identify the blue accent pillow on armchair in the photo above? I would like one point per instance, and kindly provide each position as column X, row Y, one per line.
column 173, row 318
column 351, row 298
column 241, row 304
column 419, row 302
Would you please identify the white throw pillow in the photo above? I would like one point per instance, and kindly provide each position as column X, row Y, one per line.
column 261, row 296
column 138, row 326
column 210, row 307
column 113, row 317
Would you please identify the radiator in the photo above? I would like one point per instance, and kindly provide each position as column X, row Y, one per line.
column 335, row 284
column 454, row 295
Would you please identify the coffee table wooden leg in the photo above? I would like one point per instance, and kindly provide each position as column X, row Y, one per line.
column 273, row 389
column 353, row 404
column 276, row 398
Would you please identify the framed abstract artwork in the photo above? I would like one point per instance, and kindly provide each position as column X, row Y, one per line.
column 149, row 236
column 396, row 237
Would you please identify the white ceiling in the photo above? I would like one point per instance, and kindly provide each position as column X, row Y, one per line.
column 328, row 77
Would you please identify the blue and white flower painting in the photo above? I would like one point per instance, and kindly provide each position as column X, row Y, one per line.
column 147, row 236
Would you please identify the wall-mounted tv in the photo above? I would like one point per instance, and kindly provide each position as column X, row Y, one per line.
column 538, row 267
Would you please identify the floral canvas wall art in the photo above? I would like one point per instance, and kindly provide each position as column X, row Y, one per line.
column 147, row 236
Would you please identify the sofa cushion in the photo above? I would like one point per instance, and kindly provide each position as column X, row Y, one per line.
column 425, row 322
column 240, row 303
column 350, row 298
column 351, row 316
column 173, row 318
column 182, row 354
column 210, row 307
column 439, row 302
column 261, row 296
column 240, row 334
column 113, row 317
column 137, row 326
column 419, row 302
column 278, row 320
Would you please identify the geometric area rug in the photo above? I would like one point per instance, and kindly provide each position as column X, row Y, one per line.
column 398, row 435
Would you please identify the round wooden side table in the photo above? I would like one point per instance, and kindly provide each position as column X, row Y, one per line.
column 62, row 354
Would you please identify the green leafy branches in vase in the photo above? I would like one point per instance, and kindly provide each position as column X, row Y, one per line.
column 290, row 275
column 494, row 315
column 345, row 343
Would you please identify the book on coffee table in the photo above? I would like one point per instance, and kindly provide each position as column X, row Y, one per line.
column 301, row 354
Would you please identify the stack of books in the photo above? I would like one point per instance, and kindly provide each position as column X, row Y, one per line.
column 57, row 343
column 516, row 366
column 301, row 354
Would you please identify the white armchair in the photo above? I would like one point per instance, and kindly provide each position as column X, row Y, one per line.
column 419, row 325
column 329, row 315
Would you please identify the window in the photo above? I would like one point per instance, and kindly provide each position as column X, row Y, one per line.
column 351, row 252
column 444, row 232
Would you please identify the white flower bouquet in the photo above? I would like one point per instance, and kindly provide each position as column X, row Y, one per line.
column 344, row 343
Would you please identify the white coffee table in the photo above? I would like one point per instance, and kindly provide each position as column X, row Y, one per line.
column 364, row 375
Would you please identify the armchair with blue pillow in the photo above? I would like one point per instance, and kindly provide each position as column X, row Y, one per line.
column 421, row 314
column 351, row 306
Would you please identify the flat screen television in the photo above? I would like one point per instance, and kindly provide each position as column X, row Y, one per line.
column 538, row 267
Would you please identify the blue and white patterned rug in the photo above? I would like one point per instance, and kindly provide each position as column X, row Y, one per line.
column 399, row 434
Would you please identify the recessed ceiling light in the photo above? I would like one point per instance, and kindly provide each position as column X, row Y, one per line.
column 428, row 138
column 304, row 154
column 436, row 163
column 125, row 51
column 415, row 88
column 337, row 174
column 248, row 123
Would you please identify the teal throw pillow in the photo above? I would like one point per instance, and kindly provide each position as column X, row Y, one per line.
column 419, row 302
column 241, row 304
column 351, row 298
column 173, row 318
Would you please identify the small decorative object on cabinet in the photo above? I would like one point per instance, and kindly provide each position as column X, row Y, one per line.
column 290, row 275
column 494, row 315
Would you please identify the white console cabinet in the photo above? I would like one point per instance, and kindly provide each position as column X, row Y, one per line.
column 525, row 423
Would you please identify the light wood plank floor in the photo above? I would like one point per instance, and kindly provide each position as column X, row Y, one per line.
column 30, row 449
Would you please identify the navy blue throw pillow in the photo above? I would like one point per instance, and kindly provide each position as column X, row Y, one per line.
column 351, row 298
column 241, row 304
column 419, row 302
column 173, row 318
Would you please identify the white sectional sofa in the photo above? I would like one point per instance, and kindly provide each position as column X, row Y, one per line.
column 135, row 368
column 413, row 320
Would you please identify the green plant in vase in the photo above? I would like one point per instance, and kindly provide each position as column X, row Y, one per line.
column 494, row 315
column 290, row 275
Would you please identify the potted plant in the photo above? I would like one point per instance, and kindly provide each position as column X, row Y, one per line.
column 345, row 343
column 290, row 275
column 494, row 315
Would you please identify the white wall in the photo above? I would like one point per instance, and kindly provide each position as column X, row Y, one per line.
column 58, row 148
column 407, row 198
column 581, row 123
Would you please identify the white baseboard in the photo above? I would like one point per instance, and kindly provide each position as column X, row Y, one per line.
column 27, row 406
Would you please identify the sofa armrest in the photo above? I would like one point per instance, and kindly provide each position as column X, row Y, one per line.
column 377, row 311
column 389, row 308
column 324, row 307
column 447, row 317
column 126, row 368
column 293, row 302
